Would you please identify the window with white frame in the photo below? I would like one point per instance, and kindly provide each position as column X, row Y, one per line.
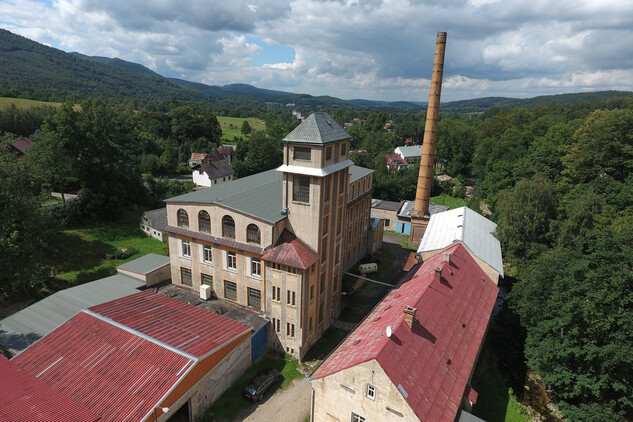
column 231, row 261
column 185, row 248
column 207, row 254
column 256, row 267
column 371, row 391
column 357, row 418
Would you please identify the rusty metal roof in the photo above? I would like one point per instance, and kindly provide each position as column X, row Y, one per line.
column 25, row 398
column 430, row 364
column 291, row 251
column 182, row 326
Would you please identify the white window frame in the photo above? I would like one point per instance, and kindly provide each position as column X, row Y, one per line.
column 256, row 263
column 371, row 392
column 357, row 418
column 231, row 256
column 207, row 254
column 185, row 248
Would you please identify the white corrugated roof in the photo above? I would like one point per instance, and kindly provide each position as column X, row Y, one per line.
column 465, row 225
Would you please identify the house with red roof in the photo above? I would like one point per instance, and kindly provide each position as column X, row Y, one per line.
column 413, row 356
column 395, row 162
column 144, row 357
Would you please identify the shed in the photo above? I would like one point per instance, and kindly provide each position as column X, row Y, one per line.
column 151, row 268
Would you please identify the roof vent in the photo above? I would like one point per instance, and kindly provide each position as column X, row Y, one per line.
column 446, row 358
column 438, row 272
column 409, row 315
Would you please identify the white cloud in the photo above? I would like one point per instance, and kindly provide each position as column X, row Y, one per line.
column 379, row 49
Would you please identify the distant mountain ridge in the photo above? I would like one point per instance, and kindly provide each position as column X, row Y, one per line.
column 35, row 71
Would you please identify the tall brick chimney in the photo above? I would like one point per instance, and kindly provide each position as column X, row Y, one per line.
column 409, row 315
column 420, row 216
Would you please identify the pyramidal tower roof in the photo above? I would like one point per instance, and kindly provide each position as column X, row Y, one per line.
column 318, row 128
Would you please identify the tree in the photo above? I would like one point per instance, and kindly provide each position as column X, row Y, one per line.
column 246, row 128
column 25, row 233
column 525, row 215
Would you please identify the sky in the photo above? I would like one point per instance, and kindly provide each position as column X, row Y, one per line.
column 369, row 49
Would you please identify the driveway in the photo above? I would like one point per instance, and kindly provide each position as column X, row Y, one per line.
column 289, row 405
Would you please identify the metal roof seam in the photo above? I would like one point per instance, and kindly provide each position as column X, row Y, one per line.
column 139, row 334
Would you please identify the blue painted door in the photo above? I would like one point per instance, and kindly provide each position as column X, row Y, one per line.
column 259, row 341
column 399, row 228
column 407, row 228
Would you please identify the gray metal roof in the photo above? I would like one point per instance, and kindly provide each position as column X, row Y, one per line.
column 357, row 172
column 381, row 204
column 156, row 219
column 258, row 195
column 318, row 128
column 408, row 207
column 409, row 151
column 20, row 330
column 146, row 264
column 465, row 225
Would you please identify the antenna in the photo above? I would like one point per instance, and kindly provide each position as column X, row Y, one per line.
column 388, row 330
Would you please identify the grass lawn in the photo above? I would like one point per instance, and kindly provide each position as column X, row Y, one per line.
column 84, row 254
column 21, row 103
column 232, row 126
column 229, row 405
column 448, row 200
column 496, row 402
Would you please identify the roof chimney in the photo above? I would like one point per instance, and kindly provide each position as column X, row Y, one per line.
column 409, row 315
column 447, row 257
column 425, row 176
column 438, row 272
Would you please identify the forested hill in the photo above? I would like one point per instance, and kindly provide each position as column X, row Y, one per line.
column 35, row 71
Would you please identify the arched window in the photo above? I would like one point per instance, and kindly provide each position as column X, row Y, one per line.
column 252, row 234
column 204, row 222
column 228, row 227
column 183, row 218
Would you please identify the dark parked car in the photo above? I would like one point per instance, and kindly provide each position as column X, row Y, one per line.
column 260, row 384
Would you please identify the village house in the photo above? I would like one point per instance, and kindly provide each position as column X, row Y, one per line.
column 413, row 356
column 411, row 154
column 397, row 215
column 20, row 145
column 210, row 169
column 153, row 223
column 278, row 241
column 395, row 162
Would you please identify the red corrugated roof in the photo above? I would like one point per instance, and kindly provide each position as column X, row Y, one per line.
column 22, row 144
column 192, row 330
column 112, row 372
column 431, row 364
column 291, row 251
column 24, row 398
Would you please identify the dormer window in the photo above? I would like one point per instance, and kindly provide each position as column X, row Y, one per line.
column 302, row 153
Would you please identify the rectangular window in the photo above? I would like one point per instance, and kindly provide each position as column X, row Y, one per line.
column 290, row 329
column 185, row 276
column 321, row 313
column 323, row 249
column 301, row 188
column 302, row 153
column 371, row 391
column 387, row 222
column 231, row 261
column 230, row 290
column 276, row 294
column 339, row 220
column 186, row 248
column 357, row 418
column 326, row 189
column 341, row 184
column 322, row 285
column 328, row 153
column 326, row 224
column 256, row 267
column 336, row 255
column 207, row 255
column 343, row 149
column 254, row 298
column 312, row 292
column 207, row 279
column 291, row 298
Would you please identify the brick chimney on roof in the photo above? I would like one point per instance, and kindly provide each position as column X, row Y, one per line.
column 409, row 315
column 420, row 215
